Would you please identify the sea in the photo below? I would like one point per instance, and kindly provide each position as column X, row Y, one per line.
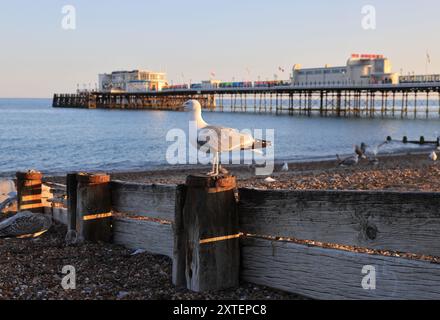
column 33, row 135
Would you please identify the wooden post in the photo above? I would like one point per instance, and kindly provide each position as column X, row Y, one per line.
column 207, row 251
column 29, row 189
column 93, row 207
column 72, row 185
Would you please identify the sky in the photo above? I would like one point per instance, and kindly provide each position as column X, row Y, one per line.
column 235, row 39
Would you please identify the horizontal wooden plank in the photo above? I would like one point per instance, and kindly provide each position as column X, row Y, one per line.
column 155, row 201
column 56, row 186
column 405, row 222
column 60, row 215
column 334, row 274
column 151, row 236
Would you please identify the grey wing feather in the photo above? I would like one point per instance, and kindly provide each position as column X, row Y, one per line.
column 227, row 139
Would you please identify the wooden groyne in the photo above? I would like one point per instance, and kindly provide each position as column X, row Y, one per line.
column 320, row 244
column 404, row 100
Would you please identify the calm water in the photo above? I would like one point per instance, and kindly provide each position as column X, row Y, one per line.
column 34, row 135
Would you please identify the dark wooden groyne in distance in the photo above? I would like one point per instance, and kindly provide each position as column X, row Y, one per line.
column 404, row 100
column 317, row 243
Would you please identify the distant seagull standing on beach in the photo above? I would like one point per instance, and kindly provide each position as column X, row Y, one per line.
column 361, row 151
column 221, row 139
column 285, row 167
column 433, row 156
column 375, row 151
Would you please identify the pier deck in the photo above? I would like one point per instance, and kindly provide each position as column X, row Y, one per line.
column 404, row 100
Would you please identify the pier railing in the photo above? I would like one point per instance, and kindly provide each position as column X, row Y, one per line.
column 320, row 244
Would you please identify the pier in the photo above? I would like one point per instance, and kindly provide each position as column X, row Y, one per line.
column 401, row 100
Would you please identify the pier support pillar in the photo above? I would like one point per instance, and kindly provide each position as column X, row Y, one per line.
column 206, row 248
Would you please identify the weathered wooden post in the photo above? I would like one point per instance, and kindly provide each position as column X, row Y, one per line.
column 207, row 248
column 71, row 190
column 29, row 191
column 93, row 207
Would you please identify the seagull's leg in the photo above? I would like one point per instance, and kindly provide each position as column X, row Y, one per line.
column 217, row 157
column 212, row 173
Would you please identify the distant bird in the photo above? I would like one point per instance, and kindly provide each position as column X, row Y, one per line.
column 433, row 156
column 285, row 167
column 361, row 151
column 373, row 152
column 347, row 162
column 220, row 139
column 269, row 180
column 25, row 224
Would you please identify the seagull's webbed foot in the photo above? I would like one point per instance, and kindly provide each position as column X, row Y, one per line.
column 212, row 174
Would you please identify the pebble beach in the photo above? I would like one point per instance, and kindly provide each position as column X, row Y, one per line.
column 400, row 172
column 107, row 271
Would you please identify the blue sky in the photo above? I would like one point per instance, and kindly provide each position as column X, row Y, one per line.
column 195, row 37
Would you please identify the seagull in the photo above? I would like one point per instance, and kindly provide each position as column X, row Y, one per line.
column 372, row 154
column 25, row 224
column 221, row 139
column 361, row 151
column 285, row 167
column 433, row 156
column 350, row 161
column 377, row 148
